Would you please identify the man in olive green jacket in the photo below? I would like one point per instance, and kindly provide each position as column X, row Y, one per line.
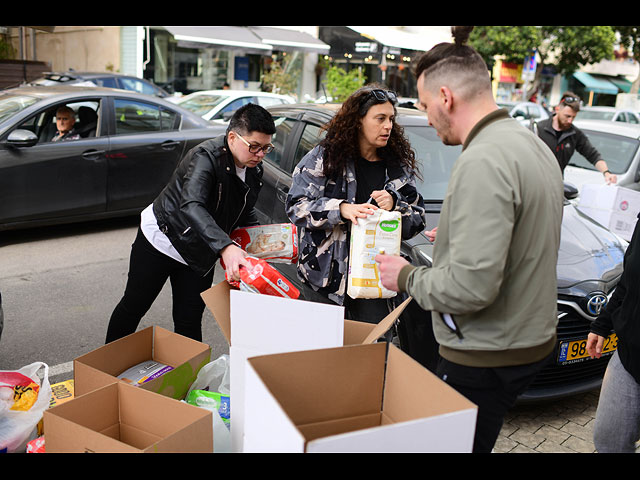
column 492, row 289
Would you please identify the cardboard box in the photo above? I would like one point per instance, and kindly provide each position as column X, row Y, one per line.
column 616, row 208
column 256, row 325
column 102, row 366
column 121, row 418
column 358, row 398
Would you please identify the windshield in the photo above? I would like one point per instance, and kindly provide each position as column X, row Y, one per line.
column 616, row 150
column 595, row 115
column 202, row 104
column 12, row 104
column 435, row 160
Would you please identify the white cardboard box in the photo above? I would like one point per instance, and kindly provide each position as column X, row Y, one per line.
column 358, row 398
column 255, row 324
column 614, row 207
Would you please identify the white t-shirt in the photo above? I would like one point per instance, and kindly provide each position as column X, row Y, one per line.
column 150, row 229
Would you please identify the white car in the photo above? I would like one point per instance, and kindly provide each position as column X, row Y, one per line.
column 618, row 143
column 524, row 112
column 611, row 114
column 217, row 104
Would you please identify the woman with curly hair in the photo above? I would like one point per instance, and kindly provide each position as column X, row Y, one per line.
column 363, row 163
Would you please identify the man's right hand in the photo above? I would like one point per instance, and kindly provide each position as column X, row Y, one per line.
column 594, row 345
column 233, row 258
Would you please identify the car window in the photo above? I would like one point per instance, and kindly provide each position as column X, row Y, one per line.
column 202, row 103
column 138, row 117
column 136, row 85
column 632, row 118
column 108, row 82
column 622, row 117
column 268, row 101
column 87, row 116
column 617, row 151
column 284, row 127
column 311, row 136
column 233, row 106
column 13, row 104
column 435, row 161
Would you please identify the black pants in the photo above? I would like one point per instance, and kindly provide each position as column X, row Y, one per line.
column 493, row 390
column 148, row 272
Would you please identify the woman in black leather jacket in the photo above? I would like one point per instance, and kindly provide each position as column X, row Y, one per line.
column 186, row 230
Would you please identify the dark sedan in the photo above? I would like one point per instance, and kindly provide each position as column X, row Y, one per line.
column 590, row 257
column 127, row 148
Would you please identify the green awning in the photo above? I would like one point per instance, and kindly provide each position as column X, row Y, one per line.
column 595, row 84
column 622, row 83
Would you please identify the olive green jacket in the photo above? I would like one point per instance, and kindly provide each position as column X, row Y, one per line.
column 495, row 255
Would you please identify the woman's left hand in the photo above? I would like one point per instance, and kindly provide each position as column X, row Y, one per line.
column 383, row 199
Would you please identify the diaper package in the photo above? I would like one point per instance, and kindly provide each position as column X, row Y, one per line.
column 265, row 279
column 144, row 372
column 380, row 232
column 277, row 243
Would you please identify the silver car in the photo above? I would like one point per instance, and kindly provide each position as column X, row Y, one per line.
column 610, row 114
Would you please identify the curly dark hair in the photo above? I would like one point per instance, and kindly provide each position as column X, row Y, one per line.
column 341, row 141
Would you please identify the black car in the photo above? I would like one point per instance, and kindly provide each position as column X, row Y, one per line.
column 101, row 79
column 590, row 257
column 128, row 148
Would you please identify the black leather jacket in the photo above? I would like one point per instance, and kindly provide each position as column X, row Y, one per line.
column 204, row 201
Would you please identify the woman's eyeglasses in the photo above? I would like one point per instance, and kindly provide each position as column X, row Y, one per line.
column 256, row 148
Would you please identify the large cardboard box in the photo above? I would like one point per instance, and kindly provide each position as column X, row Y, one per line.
column 103, row 365
column 358, row 398
column 256, row 325
column 121, row 418
column 616, row 208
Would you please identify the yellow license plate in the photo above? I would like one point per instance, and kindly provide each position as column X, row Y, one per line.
column 572, row 351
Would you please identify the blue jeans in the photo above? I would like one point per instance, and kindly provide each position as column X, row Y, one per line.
column 617, row 425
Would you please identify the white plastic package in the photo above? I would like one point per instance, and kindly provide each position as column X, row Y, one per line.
column 379, row 232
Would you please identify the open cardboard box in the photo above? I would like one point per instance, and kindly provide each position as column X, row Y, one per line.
column 357, row 398
column 102, row 366
column 255, row 324
column 121, row 418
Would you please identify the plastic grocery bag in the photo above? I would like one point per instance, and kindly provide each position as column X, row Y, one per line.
column 23, row 400
column 379, row 232
column 214, row 377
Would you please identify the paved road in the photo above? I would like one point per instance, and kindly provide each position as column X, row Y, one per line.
column 59, row 286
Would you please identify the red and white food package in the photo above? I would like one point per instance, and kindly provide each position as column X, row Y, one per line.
column 277, row 243
column 263, row 278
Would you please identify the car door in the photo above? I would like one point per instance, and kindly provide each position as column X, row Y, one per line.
column 54, row 179
column 146, row 146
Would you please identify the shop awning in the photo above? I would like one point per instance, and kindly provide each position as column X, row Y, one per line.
column 252, row 39
column 287, row 39
column 392, row 37
column 596, row 84
column 230, row 37
column 622, row 83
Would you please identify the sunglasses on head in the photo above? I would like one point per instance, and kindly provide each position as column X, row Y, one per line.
column 382, row 95
column 568, row 100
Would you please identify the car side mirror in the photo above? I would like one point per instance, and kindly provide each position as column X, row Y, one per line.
column 22, row 138
column 570, row 191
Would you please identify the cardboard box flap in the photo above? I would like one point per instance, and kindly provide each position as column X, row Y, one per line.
column 174, row 350
column 139, row 348
column 218, row 301
column 325, row 384
column 364, row 333
column 405, row 374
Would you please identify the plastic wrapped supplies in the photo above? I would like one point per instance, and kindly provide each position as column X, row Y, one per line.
column 379, row 232
column 23, row 400
column 263, row 278
column 277, row 243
